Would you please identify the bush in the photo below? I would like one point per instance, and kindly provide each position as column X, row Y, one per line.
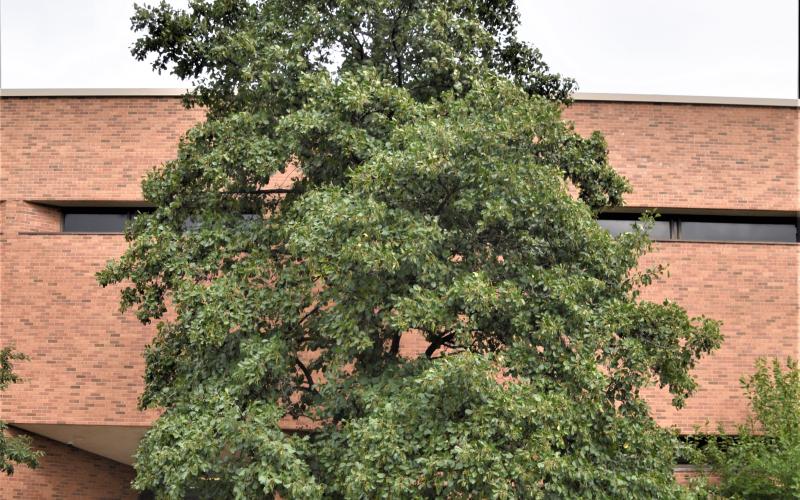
column 763, row 461
column 14, row 450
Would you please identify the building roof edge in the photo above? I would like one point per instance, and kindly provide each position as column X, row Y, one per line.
column 687, row 99
column 578, row 96
column 107, row 92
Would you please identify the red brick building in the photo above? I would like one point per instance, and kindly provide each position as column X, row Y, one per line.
column 723, row 171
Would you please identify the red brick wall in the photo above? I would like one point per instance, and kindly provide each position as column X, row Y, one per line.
column 738, row 158
column 753, row 290
column 86, row 148
column 700, row 156
column 86, row 364
column 86, row 358
column 68, row 473
column 31, row 217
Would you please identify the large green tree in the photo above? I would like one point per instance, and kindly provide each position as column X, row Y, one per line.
column 431, row 205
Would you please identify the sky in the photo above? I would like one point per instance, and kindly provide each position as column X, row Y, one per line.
column 736, row 48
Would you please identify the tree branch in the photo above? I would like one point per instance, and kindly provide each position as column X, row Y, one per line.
column 265, row 191
column 445, row 199
column 395, row 347
column 307, row 374
column 397, row 56
column 437, row 343
column 309, row 313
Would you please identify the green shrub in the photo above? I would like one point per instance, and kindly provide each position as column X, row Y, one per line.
column 763, row 461
column 13, row 450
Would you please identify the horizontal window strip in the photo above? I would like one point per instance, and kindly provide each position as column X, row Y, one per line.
column 695, row 227
column 98, row 219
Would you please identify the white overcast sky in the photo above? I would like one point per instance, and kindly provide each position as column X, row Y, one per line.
column 684, row 47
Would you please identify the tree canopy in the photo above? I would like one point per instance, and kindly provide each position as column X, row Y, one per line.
column 430, row 204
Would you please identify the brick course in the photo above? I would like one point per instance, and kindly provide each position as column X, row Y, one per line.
column 86, row 148
column 699, row 156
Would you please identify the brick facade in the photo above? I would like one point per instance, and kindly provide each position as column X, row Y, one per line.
column 753, row 290
column 732, row 159
column 700, row 156
column 86, row 357
column 86, row 366
column 85, row 148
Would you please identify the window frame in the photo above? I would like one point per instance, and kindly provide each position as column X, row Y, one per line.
column 128, row 212
column 676, row 221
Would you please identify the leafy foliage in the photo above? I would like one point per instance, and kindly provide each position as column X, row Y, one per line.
column 13, row 450
column 433, row 207
column 763, row 461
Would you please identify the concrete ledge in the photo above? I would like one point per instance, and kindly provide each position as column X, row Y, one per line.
column 687, row 99
column 171, row 92
column 578, row 96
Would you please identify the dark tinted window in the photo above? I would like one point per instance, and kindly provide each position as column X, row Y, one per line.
column 737, row 231
column 660, row 231
column 694, row 227
column 94, row 223
column 98, row 220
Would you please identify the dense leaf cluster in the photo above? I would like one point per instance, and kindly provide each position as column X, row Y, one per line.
column 14, row 450
column 430, row 200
